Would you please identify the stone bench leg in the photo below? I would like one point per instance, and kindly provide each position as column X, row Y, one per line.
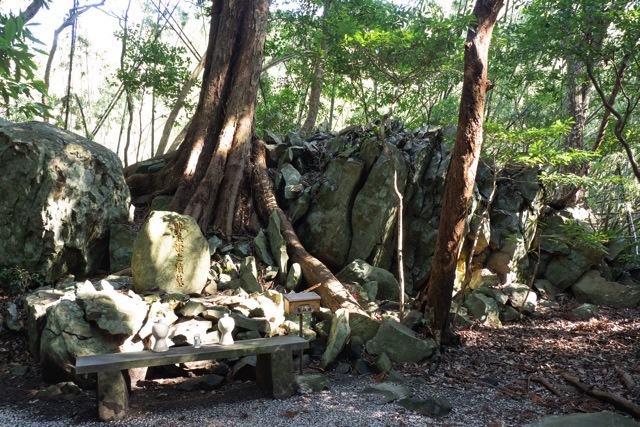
column 113, row 396
column 274, row 373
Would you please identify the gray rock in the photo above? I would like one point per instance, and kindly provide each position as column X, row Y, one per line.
column 383, row 363
column 431, row 406
column 215, row 313
column 248, row 335
column 483, row 278
column 363, row 327
column 245, row 369
column 300, row 206
column 68, row 335
column 563, row 260
column 249, row 275
column 61, row 391
column 278, row 246
column 60, row 194
column 400, row 343
column 161, row 203
column 204, row 382
column 170, row 254
column 114, row 312
column 253, row 324
column 388, row 392
column 305, row 384
column 338, row 337
column 358, row 271
column 585, row 312
column 191, row 308
column 121, row 238
column 521, row 297
column 184, row 331
column 292, row 181
column 595, row 289
column 37, row 304
column 294, row 276
column 12, row 316
column 214, row 243
column 545, row 289
column 374, row 211
column 261, row 249
column 483, row 308
column 596, row 419
column 326, row 232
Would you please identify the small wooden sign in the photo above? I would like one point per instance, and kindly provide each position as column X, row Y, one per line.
column 303, row 302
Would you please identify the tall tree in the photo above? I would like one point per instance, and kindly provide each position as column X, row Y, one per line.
column 318, row 75
column 462, row 169
column 208, row 169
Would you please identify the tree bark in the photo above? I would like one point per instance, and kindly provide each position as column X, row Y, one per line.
column 209, row 167
column 332, row 293
column 318, row 77
column 463, row 167
column 577, row 97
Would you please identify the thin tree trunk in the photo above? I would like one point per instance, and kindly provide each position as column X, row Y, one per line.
column 620, row 124
column 72, row 51
column 30, row 12
column 577, row 98
column 173, row 114
column 463, row 167
column 611, row 101
column 70, row 19
column 318, row 74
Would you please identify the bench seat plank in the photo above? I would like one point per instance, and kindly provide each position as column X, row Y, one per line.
column 139, row 359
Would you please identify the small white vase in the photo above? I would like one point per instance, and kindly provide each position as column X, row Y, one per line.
column 225, row 326
column 160, row 332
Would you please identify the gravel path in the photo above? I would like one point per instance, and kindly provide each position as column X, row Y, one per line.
column 241, row 404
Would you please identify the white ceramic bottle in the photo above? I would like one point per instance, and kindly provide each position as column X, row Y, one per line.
column 225, row 326
column 160, row 332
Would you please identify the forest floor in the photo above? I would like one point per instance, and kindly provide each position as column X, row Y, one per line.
column 492, row 379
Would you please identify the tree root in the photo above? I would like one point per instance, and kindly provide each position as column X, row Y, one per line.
column 547, row 385
column 619, row 402
column 332, row 293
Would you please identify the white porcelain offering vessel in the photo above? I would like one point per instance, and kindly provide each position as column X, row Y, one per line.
column 160, row 332
column 225, row 326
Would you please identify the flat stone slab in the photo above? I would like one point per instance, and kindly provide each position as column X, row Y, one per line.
column 139, row 359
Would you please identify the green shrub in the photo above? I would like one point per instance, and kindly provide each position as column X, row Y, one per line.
column 16, row 280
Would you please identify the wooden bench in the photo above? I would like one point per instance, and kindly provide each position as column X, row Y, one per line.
column 274, row 367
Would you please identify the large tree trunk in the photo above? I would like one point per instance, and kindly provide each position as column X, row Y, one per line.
column 462, row 169
column 333, row 295
column 208, row 169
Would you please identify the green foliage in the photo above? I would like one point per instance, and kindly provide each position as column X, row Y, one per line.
column 151, row 63
column 18, row 85
column 15, row 281
column 572, row 232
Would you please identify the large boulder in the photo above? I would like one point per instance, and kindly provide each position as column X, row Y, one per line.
column 60, row 194
column 115, row 312
column 400, row 343
column 170, row 254
column 594, row 289
column 68, row 335
column 326, row 231
column 565, row 255
column 362, row 273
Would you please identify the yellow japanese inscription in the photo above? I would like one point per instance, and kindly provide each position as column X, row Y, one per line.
column 179, row 248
